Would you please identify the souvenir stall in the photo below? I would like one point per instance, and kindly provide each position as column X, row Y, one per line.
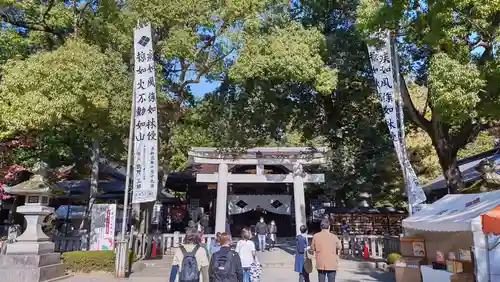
column 491, row 227
column 446, row 241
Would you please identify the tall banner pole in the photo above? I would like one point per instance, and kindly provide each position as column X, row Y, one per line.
column 121, row 258
column 145, row 163
column 397, row 94
column 143, row 136
column 385, row 65
column 416, row 194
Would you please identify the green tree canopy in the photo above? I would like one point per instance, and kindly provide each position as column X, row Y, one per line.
column 193, row 41
column 74, row 85
column 449, row 47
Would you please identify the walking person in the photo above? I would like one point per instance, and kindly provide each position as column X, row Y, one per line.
column 190, row 260
column 326, row 246
column 273, row 229
column 303, row 264
column 215, row 244
column 261, row 230
column 246, row 250
column 225, row 264
column 228, row 227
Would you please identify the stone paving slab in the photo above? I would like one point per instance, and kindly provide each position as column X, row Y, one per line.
column 277, row 266
column 350, row 271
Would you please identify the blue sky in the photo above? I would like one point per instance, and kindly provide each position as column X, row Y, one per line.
column 202, row 88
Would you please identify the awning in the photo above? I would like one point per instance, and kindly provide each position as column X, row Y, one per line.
column 453, row 212
column 467, row 167
column 491, row 220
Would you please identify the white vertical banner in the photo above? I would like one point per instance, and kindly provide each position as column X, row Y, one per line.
column 381, row 61
column 145, row 181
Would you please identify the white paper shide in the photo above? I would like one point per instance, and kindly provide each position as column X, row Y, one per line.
column 145, row 181
column 381, row 61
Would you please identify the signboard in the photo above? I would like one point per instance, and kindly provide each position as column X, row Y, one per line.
column 145, row 181
column 381, row 61
column 156, row 218
column 103, row 226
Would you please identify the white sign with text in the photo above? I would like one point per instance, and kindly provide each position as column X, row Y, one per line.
column 145, row 181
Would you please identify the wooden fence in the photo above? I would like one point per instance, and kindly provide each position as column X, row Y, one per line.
column 379, row 246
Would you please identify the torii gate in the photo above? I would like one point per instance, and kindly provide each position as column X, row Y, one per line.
column 293, row 158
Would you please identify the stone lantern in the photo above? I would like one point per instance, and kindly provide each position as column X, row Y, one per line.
column 32, row 258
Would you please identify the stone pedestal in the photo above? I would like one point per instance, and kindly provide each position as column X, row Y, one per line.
column 31, row 268
column 32, row 257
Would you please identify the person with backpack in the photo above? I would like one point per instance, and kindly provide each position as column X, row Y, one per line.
column 190, row 262
column 225, row 264
column 246, row 250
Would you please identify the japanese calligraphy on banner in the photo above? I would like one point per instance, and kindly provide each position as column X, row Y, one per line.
column 381, row 61
column 145, row 119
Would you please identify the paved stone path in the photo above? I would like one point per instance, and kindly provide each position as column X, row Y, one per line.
column 277, row 266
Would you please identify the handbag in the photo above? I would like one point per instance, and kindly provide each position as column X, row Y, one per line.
column 255, row 271
column 308, row 265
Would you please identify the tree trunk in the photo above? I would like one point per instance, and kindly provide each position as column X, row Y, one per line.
column 94, row 180
column 447, row 155
column 339, row 197
column 453, row 176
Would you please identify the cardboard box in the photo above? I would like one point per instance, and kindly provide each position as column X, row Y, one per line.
column 454, row 266
column 462, row 277
column 458, row 266
column 465, row 255
column 407, row 245
column 407, row 269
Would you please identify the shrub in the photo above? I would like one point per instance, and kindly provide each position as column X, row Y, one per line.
column 393, row 257
column 87, row 261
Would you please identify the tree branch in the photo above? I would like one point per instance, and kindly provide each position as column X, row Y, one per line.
column 80, row 15
column 33, row 26
column 50, row 4
column 415, row 116
column 470, row 130
column 184, row 69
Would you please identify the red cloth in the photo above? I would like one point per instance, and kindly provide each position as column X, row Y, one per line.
column 491, row 220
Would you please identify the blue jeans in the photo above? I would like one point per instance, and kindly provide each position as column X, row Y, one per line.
column 326, row 275
column 304, row 276
column 246, row 274
column 262, row 242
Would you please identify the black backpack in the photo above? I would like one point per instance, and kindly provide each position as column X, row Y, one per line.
column 189, row 266
column 223, row 269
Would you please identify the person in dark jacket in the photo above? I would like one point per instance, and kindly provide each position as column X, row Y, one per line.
column 261, row 230
column 301, row 246
column 218, row 261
